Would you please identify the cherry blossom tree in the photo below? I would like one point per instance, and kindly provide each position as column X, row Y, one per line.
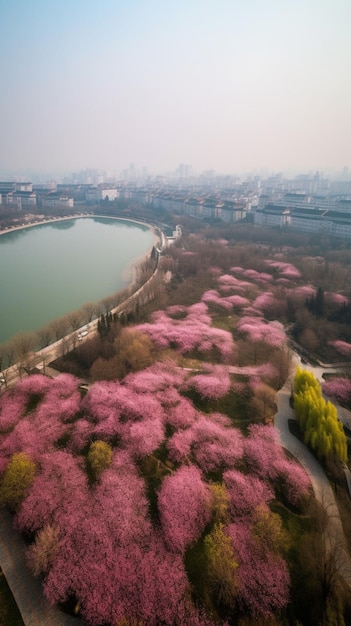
column 213, row 297
column 211, row 443
column 343, row 347
column 338, row 388
column 12, row 408
column 51, row 498
column 259, row 330
column 184, row 505
column 144, row 437
column 246, row 492
column 266, row 458
column 194, row 331
column 211, row 385
column 258, row 277
column 227, row 281
column 287, row 270
column 263, row 576
column 182, row 414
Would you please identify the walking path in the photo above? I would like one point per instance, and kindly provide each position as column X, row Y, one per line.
column 320, row 484
column 27, row 592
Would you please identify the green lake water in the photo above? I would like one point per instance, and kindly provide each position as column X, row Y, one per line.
column 49, row 270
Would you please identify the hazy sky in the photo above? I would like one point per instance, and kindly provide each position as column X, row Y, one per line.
column 229, row 85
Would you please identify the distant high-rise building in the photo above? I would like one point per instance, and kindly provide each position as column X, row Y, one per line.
column 184, row 170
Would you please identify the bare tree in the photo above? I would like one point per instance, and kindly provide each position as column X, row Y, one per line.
column 263, row 403
column 59, row 327
column 8, row 350
column 324, row 550
column 45, row 335
column 88, row 311
column 75, row 319
column 24, row 346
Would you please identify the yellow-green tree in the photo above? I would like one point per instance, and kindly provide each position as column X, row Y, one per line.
column 318, row 419
column 222, row 565
column 99, row 457
column 268, row 530
column 219, row 502
column 17, row 478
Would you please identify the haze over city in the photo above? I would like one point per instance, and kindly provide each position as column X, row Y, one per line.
column 225, row 85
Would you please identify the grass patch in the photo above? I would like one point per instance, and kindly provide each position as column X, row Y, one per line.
column 234, row 405
column 224, row 323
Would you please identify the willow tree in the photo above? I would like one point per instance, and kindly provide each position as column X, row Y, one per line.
column 318, row 419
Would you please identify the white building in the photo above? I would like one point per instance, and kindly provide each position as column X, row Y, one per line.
column 55, row 200
column 96, row 194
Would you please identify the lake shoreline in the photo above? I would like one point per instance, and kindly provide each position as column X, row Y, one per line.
column 128, row 264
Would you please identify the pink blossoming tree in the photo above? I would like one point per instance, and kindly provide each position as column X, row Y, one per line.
column 184, row 504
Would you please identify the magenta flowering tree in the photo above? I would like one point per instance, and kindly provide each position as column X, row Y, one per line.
column 211, row 385
column 262, row 450
column 194, row 331
column 51, row 498
column 184, row 505
column 99, row 402
column 226, row 302
column 266, row 458
column 56, row 401
column 210, row 441
column 157, row 377
column 293, row 481
column 246, row 492
column 263, row 576
column 119, row 503
column 179, row 445
column 144, row 437
column 343, row 347
column 336, row 298
column 37, row 384
column 142, row 583
column 258, row 277
column 106, row 399
column 237, row 301
column 302, row 292
column 286, row 270
column 259, row 330
column 12, row 408
column 230, row 283
column 265, row 301
column 35, row 434
column 338, row 388
column 80, row 435
column 182, row 414
column 212, row 297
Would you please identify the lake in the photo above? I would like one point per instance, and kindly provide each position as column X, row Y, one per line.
column 48, row 270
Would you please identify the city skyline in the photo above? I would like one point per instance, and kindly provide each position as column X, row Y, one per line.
column 221, row 86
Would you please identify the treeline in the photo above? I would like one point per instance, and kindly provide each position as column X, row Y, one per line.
column 318, row 420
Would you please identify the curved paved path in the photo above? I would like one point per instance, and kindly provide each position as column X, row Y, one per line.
column 34, row 608
column 320, row 484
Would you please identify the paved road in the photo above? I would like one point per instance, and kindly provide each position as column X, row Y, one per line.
column 35, row 610
column 320, row 484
